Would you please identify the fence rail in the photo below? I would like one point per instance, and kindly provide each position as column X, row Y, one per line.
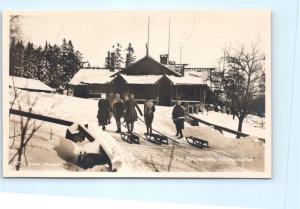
column 113, row 159
column 220, row 128
column 40, row 117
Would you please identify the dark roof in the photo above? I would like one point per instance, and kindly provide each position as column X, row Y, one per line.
column 148, row 66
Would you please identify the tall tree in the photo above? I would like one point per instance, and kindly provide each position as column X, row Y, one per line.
column 118, row 56
column 30, row 68
column 53, row 67
column 15, row 28
column 70, row 61
column 16, row 58
column 108, row 60
column 130, row 58
column 241, row 80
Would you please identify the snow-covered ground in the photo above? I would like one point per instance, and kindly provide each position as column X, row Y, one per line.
column 224, row 154
column 252, row 125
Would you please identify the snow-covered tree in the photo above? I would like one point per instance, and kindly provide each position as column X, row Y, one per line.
column 130, row 58
column 108, row 60
column 118, row 55
column 240, row 81
column 70, row 61
column 15, row 32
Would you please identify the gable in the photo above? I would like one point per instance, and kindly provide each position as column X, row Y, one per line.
column 148, row 66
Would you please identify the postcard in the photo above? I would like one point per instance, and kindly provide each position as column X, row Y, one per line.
column 138, row 94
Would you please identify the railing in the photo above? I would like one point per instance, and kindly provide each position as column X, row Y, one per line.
column 195, row 121
column 81, row 133
column 40, row 117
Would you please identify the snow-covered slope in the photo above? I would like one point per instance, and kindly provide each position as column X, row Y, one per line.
column 224, row 154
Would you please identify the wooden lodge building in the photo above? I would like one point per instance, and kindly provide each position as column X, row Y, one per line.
column 146, row 79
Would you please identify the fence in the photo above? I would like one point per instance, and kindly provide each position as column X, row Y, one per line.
column 81, row 133
column 195, row 121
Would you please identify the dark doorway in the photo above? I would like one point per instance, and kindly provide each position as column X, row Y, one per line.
column 81, row 91
column 164, row 92
column 119, row 85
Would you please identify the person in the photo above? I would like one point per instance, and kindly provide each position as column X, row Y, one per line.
column 130, row 115
column 104, row 110
column 178, row 118
column 149, row 110
column 118, row 111
column 110, row 100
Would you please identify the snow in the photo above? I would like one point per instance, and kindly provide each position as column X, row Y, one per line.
column 223, row 155
column 92, row 76
column 141, row 79
column 27, row 83
column 252, row 125
column 187, row 80
column 66, row 107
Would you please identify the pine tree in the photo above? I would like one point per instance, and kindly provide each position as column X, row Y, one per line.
column 130, row 58
column 54, row 65
column 118, row 56
column 108, row 60
column 17, row 59
column 30, row 70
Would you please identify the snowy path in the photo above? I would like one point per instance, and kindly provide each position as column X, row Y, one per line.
column 224, row 153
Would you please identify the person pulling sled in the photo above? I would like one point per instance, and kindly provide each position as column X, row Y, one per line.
column 178, row 114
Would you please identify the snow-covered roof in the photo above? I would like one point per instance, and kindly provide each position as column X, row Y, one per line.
column 92, row 76
column 187, row 80
column 27, row 83
column 141, row 79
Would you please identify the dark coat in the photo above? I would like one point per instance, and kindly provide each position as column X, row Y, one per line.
column 103, row 112
column 130, row 114
column 149, row 110
column 118, row 109
column 178, row 116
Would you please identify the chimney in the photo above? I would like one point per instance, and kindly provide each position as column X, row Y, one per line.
column 164, row 59
column 112, row 62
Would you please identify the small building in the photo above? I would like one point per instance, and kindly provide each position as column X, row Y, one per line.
column 146, row 79
column 29, row 84
column 90, row 83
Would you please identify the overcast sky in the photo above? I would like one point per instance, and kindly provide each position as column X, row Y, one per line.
column 200, row 34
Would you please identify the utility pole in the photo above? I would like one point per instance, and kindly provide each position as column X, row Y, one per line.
column 180, row 61
column 169, row 39
column 148, row 47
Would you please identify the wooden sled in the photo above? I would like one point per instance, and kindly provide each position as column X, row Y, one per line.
column 157, row 138
column 200, row 143
column 130, row 138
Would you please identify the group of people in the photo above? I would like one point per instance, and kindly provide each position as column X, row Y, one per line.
column 113, row 105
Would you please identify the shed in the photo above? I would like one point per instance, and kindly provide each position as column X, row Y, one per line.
column 90, row 83
column 29, row 84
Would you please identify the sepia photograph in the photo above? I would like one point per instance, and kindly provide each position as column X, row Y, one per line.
column 137, row 94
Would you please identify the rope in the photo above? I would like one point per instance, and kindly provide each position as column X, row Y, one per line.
column 159, row 132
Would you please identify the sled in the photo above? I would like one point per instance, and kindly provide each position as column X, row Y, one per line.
column 200, row 143
column 130, row 138
column 157, row 138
